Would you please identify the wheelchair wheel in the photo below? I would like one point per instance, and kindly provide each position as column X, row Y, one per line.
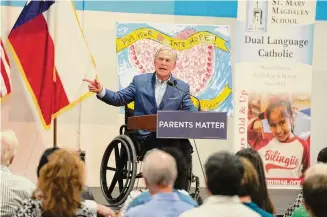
column 122, row 153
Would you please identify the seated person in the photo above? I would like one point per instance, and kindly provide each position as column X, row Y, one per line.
column 224, row 173
column 59, row 190
column 250, row 189
column 298, row 204
column 151, row 93
column 14, row 189
column 254, row 157
column 86, row 192
column 138, row 197
column 160, row 172
column 315, row 190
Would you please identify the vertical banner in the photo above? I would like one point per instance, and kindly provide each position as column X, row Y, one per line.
column 203, row 58
column 273, row 83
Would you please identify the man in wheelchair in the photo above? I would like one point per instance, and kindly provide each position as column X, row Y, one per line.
column 150, row 93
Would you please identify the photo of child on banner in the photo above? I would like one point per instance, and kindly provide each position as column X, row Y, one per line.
column 279, row 129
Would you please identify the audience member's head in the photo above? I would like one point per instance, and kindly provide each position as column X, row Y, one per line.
column 254, row 157
column 9, row 146
column 224, row 173
column 60, row 184
column 322, row 156
column 159, row 171
column 86, row 194
column 315, row 190
column 250, row 182
column 181, row 166
column 45, row 159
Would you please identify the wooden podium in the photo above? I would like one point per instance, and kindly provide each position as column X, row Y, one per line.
column 145, row 122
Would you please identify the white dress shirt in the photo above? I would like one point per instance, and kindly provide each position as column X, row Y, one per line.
column 14, row 190
column 160, row 89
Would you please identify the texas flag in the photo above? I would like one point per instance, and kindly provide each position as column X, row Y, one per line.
column 49, row 47
column 5, row 80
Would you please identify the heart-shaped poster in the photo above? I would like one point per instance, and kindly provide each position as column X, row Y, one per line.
column 203, row 58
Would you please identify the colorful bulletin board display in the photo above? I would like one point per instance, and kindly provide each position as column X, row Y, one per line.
column 273, row 85
column 203, row 58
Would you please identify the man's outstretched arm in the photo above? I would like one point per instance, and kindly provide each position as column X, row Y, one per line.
column 120, row 98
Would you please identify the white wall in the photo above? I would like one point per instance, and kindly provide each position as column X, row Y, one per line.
column 319, row 90
column 99, row 123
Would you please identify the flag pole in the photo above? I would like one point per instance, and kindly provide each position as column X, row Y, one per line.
column 55, row 132
column 54, row 73
column 82, row 153
column 80, row 105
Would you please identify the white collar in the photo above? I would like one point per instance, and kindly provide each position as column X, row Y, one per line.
column 161, row 81
column 4, row 169
column 222, row 199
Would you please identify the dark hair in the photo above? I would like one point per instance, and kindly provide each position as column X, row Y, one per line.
column 181, row 166
column 276, row 103
column 224, row 173
column 45, row 159
column 322, row 156
column 315, row 194
column 253, row 156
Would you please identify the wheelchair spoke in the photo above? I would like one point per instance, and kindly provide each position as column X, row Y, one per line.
column 117, row 172
column 122, row 173
column 120, row 166
column 120, row 183
column 113, row 184
column 111, row 168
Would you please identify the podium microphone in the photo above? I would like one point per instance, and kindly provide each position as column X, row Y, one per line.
column 174, row 84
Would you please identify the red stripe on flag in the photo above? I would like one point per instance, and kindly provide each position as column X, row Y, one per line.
column 5, row 77
column 6, row 56
column 34, row 48
column 59, row 96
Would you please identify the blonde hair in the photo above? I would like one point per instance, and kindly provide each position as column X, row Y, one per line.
column 61, row 182
column 162, row 49
column 9, row 146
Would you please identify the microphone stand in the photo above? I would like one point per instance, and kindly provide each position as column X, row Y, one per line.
column 174, row 84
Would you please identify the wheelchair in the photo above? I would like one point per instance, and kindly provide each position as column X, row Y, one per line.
column 127, row 153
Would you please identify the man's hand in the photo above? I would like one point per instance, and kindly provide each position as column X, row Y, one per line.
column 94, row 86
column 105, row 211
